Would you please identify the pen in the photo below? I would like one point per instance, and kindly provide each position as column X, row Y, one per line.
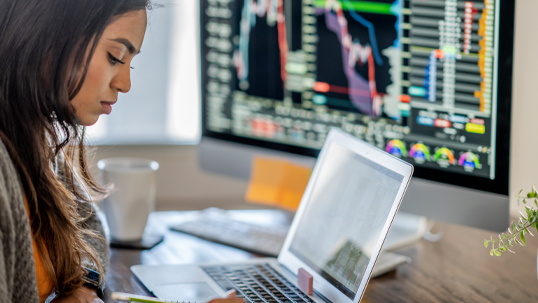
column 121, row 296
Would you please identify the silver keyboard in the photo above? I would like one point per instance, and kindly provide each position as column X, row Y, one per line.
column 254, row 238
column 257, row 283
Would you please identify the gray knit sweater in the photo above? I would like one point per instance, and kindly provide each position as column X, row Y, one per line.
column 17, row 268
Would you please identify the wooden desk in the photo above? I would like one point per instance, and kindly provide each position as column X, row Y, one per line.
column 456, row 269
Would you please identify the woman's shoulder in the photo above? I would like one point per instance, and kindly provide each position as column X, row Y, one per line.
column 4, row 156
column 11, row 194
column 8, row 175
column 6, row 165
column 3, row 148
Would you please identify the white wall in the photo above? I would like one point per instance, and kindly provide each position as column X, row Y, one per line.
column 524, row 161
column 182, row 185
column 163, row 105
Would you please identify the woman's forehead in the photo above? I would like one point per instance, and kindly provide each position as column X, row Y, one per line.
column 128, row 30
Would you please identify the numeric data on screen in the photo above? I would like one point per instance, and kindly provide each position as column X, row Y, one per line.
column 416, row 78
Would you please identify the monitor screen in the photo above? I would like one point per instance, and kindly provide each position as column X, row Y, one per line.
column 417, row 78
column 345, row 215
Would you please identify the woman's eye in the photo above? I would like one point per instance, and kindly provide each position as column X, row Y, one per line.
column 114, row 60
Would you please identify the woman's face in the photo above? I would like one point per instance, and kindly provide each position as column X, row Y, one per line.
column 109, row 72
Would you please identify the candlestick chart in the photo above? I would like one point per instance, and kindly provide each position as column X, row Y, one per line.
column 352, row 68
column 355, row 42
column 261, row 53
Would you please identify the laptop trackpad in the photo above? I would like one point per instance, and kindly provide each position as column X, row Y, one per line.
column 185, row 292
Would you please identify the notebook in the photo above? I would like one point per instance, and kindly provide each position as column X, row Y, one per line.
column 334, row 240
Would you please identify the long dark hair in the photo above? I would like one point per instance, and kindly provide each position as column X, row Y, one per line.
column 45, row 50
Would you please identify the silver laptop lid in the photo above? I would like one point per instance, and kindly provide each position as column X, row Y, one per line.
column 344, row 216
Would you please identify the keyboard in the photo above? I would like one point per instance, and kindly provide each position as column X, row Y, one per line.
column 258, row 239
column 217, row 226
column 257, row 283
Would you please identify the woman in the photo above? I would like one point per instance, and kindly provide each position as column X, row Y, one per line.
column 62, row 65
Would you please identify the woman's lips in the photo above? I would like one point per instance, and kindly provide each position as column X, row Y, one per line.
column 107, row 106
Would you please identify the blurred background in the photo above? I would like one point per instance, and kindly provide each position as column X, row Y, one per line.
column 160, row 118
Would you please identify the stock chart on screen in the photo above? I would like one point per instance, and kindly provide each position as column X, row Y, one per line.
column 416, row 78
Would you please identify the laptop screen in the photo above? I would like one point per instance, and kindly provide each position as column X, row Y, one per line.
column 343, row 221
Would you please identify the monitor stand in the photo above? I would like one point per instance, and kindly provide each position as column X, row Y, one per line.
column 406, row 229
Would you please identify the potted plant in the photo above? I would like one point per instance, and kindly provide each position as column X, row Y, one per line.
column 518, row 229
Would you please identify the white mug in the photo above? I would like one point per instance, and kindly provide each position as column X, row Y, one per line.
column 132, row 197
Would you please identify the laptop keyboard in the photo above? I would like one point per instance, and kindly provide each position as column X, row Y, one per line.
column 257, row 283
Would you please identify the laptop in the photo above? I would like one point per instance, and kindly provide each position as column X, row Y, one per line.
column 335, row 238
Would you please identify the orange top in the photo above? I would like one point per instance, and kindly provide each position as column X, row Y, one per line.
column 44, row 281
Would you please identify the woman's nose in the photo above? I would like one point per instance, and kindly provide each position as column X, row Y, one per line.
column 122, row 82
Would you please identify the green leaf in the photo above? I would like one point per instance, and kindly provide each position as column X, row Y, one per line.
column 532, row 193
column 492, row 252
column 522, row 236
column 502, row 248
column 513, row 225
column 528, row 210
column 486, row 243
column 497, row 253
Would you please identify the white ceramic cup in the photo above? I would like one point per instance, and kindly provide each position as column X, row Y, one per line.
column 132, row 197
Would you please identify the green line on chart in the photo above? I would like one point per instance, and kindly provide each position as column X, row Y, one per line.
column 361, row 6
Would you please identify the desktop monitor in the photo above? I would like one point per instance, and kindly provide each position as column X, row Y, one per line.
column 429, row 81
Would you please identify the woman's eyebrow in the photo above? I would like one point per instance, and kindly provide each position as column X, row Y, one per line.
column 128, row 44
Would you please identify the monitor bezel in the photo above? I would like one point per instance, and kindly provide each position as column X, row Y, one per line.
column 499, row 185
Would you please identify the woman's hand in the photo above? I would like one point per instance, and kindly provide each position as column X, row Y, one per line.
column 228, row 298
column 81, row 295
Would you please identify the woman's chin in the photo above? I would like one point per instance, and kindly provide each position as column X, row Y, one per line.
column 88, row 120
